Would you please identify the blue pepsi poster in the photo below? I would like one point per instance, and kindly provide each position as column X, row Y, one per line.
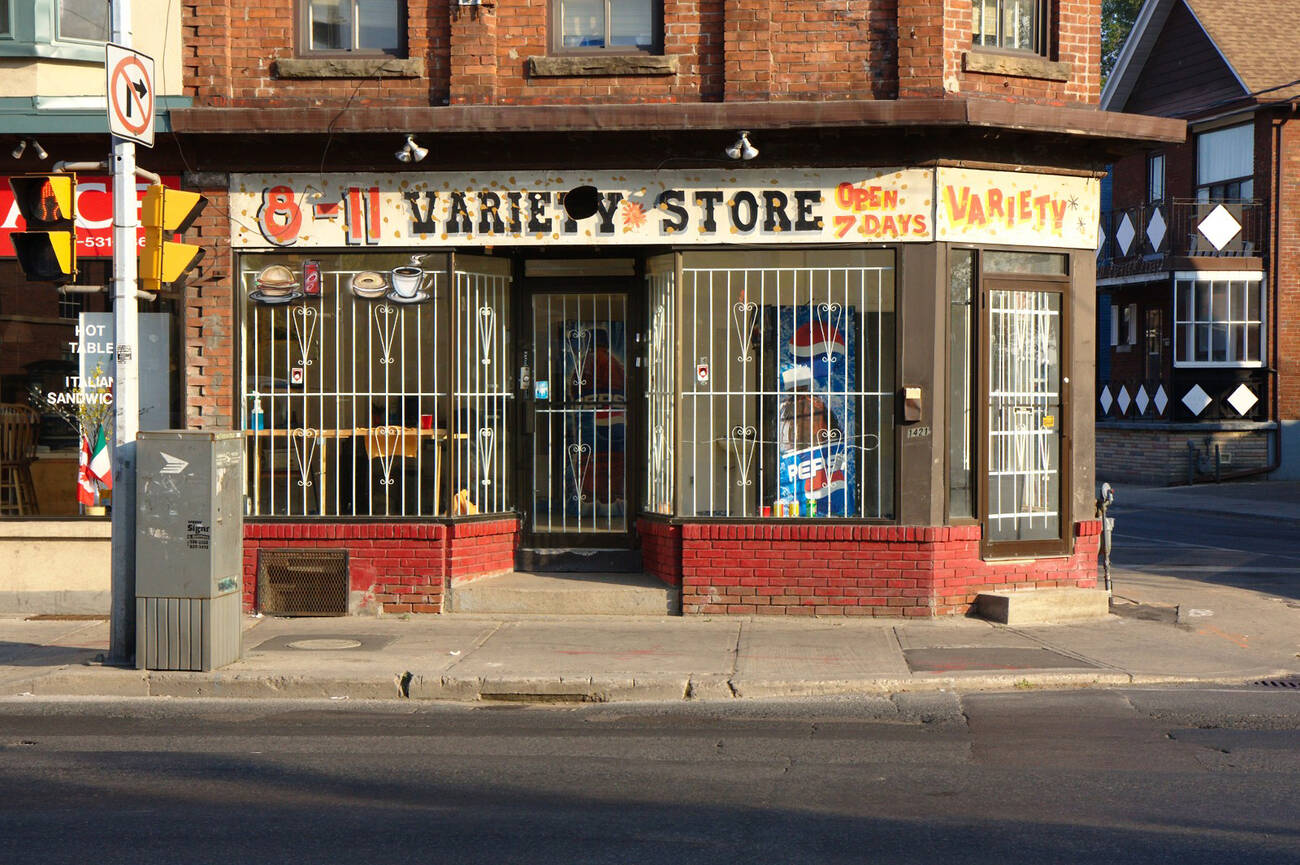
column 816, row 412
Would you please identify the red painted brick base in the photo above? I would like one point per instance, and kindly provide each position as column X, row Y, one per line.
column 827, row 570
column 399, row 567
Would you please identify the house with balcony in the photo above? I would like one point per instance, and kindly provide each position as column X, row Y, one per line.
column 1197, row 287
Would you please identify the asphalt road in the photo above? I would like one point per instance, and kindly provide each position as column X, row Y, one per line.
column 1230, row 550
column 1118, row 776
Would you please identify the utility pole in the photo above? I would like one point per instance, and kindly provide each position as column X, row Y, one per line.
column 126, row 383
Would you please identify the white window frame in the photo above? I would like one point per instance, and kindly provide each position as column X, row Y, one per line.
column 1254, row 278
column 1205, row 182
column 34, row 32
column 1155, row 178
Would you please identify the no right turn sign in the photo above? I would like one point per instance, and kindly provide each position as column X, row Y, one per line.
column 130, row 94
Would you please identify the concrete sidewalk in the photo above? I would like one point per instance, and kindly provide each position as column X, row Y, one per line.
column 1273, row 500
column 1236, row 636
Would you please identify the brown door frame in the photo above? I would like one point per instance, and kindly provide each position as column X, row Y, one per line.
column 528, row 288
column 1063, row 543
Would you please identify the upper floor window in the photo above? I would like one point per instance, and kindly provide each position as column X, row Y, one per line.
column 60, row 29
column 1156, row 177
column 83, row 19
column 608, row 25
column 1020, row 25
column 375, row 27
column 1218, row 319
column 1225, row 164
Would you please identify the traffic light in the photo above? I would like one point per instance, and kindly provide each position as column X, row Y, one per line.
column 166, row 212
column 47, row 250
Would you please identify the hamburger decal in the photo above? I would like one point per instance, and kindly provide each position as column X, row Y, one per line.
column 275, row 285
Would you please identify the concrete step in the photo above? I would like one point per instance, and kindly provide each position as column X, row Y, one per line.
column 1035, row 606
column 570, row 560
column 601, row 594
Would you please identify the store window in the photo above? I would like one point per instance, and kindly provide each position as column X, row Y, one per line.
column 1218, row 319
column 360, row 27
column 614, row 26
column 1020, row 25
column 375, row 384
column 64, row 29
column 56, row 385
column 786, row 371
column 961, row 381
column 1225, row 164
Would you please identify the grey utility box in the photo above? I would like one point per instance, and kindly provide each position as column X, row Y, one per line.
column 189, row 549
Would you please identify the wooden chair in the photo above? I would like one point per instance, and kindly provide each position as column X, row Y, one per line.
column 18, row 426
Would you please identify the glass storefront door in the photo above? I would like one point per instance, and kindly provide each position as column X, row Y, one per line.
column 578, row 418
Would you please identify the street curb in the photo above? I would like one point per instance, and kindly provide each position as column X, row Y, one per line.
column 103, row 682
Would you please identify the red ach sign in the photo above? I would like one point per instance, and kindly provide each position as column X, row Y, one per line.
column 94, row 215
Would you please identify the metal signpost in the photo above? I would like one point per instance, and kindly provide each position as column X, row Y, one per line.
column 130, row 113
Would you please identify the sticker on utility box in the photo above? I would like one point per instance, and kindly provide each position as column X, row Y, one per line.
column 198, row 535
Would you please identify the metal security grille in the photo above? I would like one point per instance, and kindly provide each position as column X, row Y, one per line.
column 1024, row 415
column 296, row 582
column 342, row 385
column 661, row 339
column 482, row 392
column 367, row 383
column 787, row 385
column 580, row 413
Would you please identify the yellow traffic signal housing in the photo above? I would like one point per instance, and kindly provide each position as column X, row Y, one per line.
column 166, row 212
column 47, row 250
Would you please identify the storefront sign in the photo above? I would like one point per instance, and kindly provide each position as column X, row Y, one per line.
column 452, row 209
column 94, row 215
column 1007, row 208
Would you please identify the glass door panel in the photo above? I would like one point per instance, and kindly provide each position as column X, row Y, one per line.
column 579, row 474
column 1024, row 427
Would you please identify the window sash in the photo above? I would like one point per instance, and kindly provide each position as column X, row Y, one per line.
column 1018, row 25
column 608, row 26
column 1218, row 322
column 375, row 27
column 1225, row 155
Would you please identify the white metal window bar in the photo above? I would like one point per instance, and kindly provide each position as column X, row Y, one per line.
column 661, row 395
column 1024, row 415
column 342, row 394
column 787, row 395
column 580, row 413
column 483, row 396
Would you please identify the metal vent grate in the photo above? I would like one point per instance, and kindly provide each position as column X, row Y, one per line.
column 303, row 582
column 1289, row 682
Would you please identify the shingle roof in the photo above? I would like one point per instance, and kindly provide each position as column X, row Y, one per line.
column 1258, row 39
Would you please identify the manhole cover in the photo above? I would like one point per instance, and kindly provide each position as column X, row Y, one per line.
column 320, row 645
column 323, row 643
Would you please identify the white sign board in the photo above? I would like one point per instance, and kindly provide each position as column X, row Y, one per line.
column 130, row 94
column 836, row 205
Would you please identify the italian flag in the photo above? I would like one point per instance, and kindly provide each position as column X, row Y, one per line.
column 101, row 464
column 85, row 480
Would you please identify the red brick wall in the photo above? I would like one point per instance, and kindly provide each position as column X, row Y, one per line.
column 209, row 310
column 481, row 548
column 397, row 566
column 661, row 550
column 1288, row 273
column 231, row 49
column 934, row 35
column 726, row 49
column 826, row 570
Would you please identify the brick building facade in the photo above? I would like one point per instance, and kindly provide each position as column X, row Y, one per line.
column 786, row 302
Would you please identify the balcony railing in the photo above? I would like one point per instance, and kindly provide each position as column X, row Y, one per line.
column 1141, row 238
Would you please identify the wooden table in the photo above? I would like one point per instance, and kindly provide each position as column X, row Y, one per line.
column 381, row 443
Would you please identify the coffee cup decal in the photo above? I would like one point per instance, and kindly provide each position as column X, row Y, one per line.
column 408, row 281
